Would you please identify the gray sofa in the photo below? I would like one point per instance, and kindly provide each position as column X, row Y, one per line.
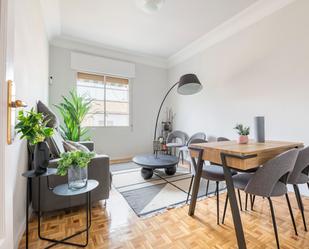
column 98, row 169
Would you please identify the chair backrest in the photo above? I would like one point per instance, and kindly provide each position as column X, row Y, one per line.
column 199, row 135
column 301, row 166
column 277, row 169
column 221, row 139
column 177, row 135
column 197, row 141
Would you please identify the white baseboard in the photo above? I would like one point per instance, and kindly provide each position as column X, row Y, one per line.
column 21, row 230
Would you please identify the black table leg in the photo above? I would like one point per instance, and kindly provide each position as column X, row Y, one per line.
column 27, row 212
column 196, row 185
column 233, row 203
column 63, row 241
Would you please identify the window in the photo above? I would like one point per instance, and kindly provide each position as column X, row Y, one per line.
column 110, row 105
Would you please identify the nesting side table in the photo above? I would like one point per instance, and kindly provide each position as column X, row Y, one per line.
column 61, row 190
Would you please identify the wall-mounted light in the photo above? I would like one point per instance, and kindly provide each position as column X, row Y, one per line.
column 11, row 107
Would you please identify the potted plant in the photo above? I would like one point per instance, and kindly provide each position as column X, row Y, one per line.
column 73, row 110
column 243, row 132
column 74, row 164
column 32, row 127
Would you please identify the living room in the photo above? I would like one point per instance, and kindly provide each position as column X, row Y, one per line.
column 154, row 124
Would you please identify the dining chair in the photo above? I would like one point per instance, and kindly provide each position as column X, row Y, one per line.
column 184, row 150
column 210, row 173
column 176, row 139
column 299, row 175
column 268, row 181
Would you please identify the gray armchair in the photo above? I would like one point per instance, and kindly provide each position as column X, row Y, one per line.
column 98, row 169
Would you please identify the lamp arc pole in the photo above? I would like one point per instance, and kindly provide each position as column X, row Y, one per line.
column 157, row 119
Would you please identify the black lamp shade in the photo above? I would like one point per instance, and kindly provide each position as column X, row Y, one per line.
column 189, row 84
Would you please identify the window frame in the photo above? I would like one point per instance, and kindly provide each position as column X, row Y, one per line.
column 130, row 81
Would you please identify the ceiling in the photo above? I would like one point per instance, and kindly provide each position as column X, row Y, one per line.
column 119, row 24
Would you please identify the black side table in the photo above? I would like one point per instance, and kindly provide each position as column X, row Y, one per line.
column 62, row 190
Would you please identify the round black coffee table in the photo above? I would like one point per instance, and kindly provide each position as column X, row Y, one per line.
column 150, row 162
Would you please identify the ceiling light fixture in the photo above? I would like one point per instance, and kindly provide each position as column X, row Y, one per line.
column 150, row 6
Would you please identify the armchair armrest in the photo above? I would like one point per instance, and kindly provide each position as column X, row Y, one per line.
column 88, row 144
column 53, row 163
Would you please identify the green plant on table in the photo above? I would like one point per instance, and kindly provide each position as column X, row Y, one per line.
column 31, row 126
column 73, row 110
column 242, row 130
column 73, row 159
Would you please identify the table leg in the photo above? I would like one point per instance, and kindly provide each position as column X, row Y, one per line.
column 196, row 185
column 63, row 241
column 233, row 203
column 27, row 212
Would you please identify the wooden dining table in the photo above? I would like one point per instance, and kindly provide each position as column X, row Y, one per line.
column 241, row 157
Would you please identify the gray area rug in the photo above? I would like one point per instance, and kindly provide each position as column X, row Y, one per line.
column 148, row 197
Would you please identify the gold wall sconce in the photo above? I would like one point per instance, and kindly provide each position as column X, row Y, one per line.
column 11, row 113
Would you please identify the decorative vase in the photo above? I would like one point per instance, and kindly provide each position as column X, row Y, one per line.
column 259, row 123
column 40, row 158
column 77, row 177
column 243, row 139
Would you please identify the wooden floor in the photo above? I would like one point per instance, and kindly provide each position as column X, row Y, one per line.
column 117, row 226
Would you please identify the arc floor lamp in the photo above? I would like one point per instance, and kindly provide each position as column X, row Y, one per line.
column 188, row 84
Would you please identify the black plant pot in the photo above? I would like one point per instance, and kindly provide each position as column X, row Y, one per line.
column 41, row 158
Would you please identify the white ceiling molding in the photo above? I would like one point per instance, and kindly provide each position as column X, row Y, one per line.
column 244, row 19
column 51, row 17
column 97, row 49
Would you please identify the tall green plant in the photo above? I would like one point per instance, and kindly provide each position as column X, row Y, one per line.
column 31, row 126
column 73, row 110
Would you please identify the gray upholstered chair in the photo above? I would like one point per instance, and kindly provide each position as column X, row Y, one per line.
column 210, row 173
column 222, row 139
column 299, row 175
column 270, row 181
column 98, row 169
column 184, row 150
column 176, row 139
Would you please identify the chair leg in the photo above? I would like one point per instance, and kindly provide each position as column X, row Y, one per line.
column 207, row 186
column 182, row 157
column 225, row 206
column 251, row 202
column 246, row 203
column 217, row 191
column 239, row 197
column 300, row 204
column 189, row 189
column 291, row 213
column 274, row 221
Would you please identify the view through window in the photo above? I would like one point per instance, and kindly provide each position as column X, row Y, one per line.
column 110, row 105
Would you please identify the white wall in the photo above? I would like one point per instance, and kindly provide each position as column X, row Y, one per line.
column 31, row 79
column 147, row 91
column 263, row 70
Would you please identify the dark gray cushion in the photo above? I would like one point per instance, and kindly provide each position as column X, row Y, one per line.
column 48, row 115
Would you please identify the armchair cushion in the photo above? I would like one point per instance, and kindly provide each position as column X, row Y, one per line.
column 55, row 143
column 78, row 146
column 48, row 114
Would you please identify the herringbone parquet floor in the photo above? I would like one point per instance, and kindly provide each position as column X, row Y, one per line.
column 116, row 226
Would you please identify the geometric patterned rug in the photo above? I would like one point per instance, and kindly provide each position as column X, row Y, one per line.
column 161, row 192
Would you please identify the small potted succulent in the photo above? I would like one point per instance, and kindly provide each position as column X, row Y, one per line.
column 74, row 164
column 33, row 128
column 243, row 132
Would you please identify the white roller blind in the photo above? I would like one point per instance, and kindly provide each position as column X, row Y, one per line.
column 100, row 65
